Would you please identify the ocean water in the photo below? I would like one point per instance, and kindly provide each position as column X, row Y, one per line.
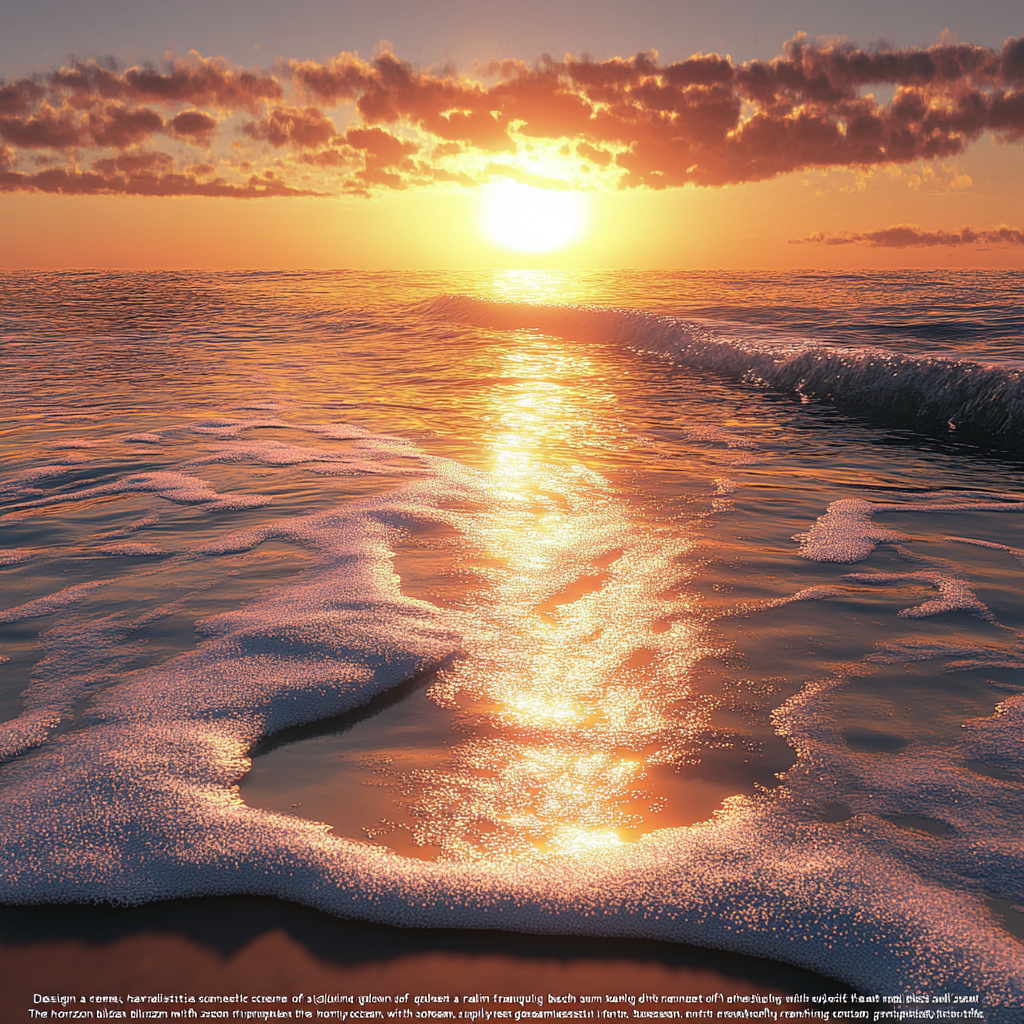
column 671, row 606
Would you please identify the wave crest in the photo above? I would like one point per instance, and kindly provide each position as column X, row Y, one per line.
column 977, row 403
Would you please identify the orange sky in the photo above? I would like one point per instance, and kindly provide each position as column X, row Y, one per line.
column 808, row 159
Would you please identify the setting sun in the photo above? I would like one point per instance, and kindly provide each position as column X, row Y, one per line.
column 528, row 219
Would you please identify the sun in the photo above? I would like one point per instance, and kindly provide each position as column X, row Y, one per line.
column 535, row 220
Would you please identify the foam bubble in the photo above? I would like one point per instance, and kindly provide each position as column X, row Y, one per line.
column 131, row 550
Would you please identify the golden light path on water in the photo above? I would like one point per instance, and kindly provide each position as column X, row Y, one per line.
column 578, row 644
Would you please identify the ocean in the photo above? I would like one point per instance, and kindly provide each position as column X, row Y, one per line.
column 677, row 608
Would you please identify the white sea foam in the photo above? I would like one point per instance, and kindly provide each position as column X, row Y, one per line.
column 958, row 656
column 131, row 550
column 232, row 502
column 79, row 654
column 866, row 902
column 229, row 428
column 325, row 461
column 848, row 533
column 22, row 483
column 28, row 730
column 14, row 556
column 954, row 594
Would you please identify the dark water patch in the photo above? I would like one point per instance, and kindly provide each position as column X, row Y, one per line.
column 915, row 823
column 874, row 741
column 347, row 719
column 580, row 587
column 918, row 702
column 992, row 772
column 834, row 813
column 1009, row 913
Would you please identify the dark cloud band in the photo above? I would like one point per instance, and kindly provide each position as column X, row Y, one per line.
column 631, row 122
column 906, row 236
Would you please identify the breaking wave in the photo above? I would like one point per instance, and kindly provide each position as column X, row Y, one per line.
column 968, row 401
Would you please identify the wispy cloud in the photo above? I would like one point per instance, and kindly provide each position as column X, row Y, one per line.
column 906, row 236
column 352, row 125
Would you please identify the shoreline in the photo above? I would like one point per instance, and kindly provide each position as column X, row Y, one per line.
column 267, row 945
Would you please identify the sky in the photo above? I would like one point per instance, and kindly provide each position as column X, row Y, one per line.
column 405, row 134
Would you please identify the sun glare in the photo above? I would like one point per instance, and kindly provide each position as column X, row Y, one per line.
column 528, row 219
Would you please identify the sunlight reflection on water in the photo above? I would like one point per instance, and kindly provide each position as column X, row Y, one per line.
column 576, row 672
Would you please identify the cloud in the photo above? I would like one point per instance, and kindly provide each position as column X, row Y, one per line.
column 524, row 177
column 380, row 144
column 135, row 163
column 601, row 157
column 385, row 156
column 303, row 128
column 705, row 121
column 118, row 127
column 194, row 126
column 46, row 128
column 390, row 91
column 19, row 97
column 905, row 236
column 144, row 183
column 194, row 80
column 325, row 158
column 350, row 124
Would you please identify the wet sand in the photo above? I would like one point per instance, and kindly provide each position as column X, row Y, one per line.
column 266, row 946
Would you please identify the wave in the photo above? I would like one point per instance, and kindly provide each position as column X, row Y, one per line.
column 966, row 401
column 141, row 802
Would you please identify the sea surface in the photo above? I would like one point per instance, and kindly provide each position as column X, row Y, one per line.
column 638, row 606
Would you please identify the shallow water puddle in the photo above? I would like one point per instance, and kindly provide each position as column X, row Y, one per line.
column 372, row 777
